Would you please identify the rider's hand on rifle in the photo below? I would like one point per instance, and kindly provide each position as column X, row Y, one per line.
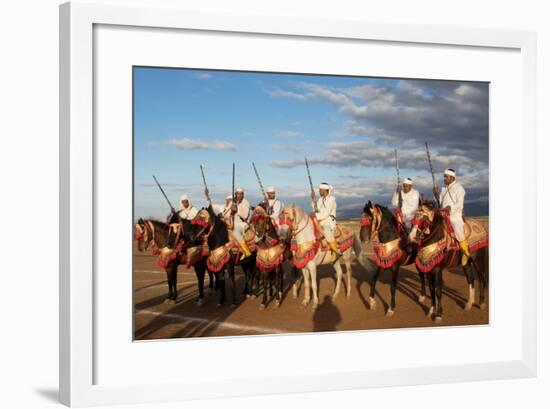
column 234, row 208
column 398, row 188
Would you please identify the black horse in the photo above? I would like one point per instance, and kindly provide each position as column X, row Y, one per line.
column 220, row 258
column 393, row 251
column 162, row 239
column 430, row 233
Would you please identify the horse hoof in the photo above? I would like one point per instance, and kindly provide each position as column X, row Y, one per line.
column 314, row 306
column 262, row 306
column 233, row 305
column 468, row 306
column 421, row 298
column 277, row 304
column 334, row 297
column 200, row 302
column 438, row 319
column 372, row 303
column 247, row 296
column 390, row 313
column 430, row 312
column 305, row 303
column 348, row 296
column 253, row 296
column 482, row 306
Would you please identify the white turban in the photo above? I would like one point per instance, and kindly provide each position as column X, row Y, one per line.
column 270, row 189
column 408, row 181
column 239, row 190
column 325, row 186
column 182, row 198
column 450, row 172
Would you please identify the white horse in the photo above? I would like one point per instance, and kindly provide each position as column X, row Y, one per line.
column 308, row 253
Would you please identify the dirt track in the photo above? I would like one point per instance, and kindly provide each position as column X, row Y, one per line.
column 155, row 318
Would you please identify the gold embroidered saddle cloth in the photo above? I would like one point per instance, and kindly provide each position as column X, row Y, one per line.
column 269, row 258
column 342, row 234
column 475, row 231
column 249, row 237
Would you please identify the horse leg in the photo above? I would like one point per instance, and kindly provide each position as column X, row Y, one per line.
column 469, row 272
column 315, row 291
column 479, row 263
column 339, row 273
column 220, row 278
column 431, row 283
column 297, row 279
column 279, row 275
column 233, row 286
column 264, row 295
column 394, row 279
column 438, row 294
column 422, row 295
column 199, row 272
column 307, row 286
column 172, row 273
column 348, row 273
column 372, row 299
column 210, row 280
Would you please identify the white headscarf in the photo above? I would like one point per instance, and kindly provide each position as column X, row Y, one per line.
column 182, row 198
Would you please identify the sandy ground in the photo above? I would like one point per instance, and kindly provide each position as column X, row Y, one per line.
column 156, row 318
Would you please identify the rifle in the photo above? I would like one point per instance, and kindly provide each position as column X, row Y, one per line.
column 233, row 186
column 206, row 188
column 311, row 186
column 259, row 181
column 400, row 199
column 432, row 172
column 164, row 194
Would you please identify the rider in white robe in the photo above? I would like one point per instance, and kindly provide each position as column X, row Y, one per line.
column 187, row 211
column 452, row 196
column 275, row 206
column 411, row 199
column 241, row 213
column 326, row 214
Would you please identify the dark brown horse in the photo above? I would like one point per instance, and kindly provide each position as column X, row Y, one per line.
column 271, row 253
column 393, row 251
column 438, row 251
column 161, row 239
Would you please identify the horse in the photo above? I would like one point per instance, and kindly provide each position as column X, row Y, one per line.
column 221, row 257
column 438, row 250
column 161, row 237
column 309, row 252
column 393, row 251
column 271, row 253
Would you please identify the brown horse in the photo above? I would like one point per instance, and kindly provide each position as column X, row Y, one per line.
column 271, row 253
column 438, row 250
column 393, row 251
column 161, row 238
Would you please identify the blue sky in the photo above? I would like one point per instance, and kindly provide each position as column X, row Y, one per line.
column 347, row 126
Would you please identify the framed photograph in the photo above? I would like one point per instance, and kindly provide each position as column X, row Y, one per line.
column 333, row 196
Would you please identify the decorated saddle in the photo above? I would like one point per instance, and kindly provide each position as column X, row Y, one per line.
column 268, row 258
column 305, row 252
column 476, row 235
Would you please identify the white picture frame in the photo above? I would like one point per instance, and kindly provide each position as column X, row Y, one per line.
column 77, row 240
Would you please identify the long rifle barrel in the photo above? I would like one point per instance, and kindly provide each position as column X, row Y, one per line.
column 400, row 199
column 433, row 175
column 164, row 194
column 233, row 195
column 311, row 185
column 259, row 181
column 205, row 188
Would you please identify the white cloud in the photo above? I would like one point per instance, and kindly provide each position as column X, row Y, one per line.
column 188, row 144
column 201, row 75
column 277, row 92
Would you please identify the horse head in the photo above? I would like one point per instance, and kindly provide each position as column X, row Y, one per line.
column 422, row 222
column 370, row 221
column 290, row 218
column 260, row 221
